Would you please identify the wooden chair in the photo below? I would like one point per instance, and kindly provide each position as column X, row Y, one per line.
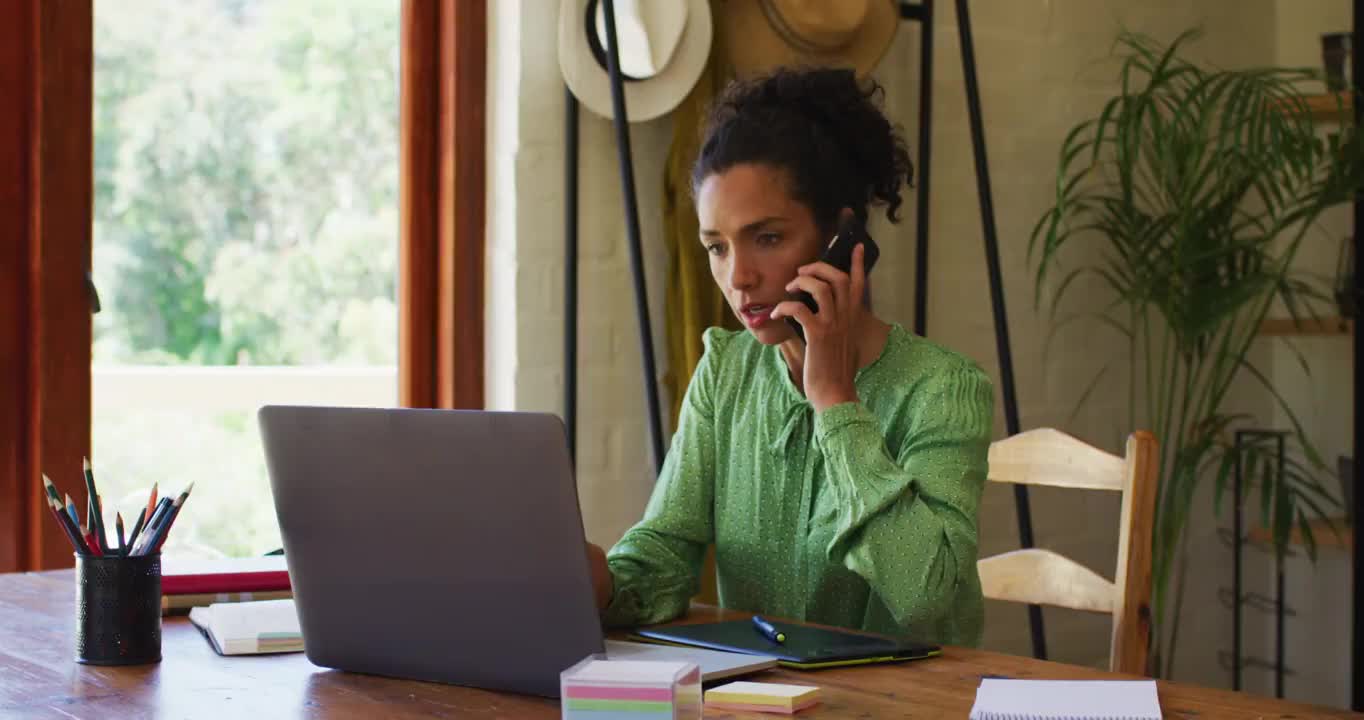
column 1042, row 577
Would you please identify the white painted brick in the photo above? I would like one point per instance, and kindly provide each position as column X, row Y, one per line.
column 593, row 455
column 1029, row 105
column 540, row 390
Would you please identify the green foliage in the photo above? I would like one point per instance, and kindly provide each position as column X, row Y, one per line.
column 228, row 515
column 246, row 185
column 1191, row 192
column 246, row 181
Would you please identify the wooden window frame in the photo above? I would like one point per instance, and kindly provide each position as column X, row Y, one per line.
column 46, row 141
column 442, row 203
column 46, row 217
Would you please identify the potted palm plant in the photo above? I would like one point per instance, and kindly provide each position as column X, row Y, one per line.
column 1188, row 197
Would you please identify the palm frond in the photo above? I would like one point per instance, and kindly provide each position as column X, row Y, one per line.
column 1187, row 197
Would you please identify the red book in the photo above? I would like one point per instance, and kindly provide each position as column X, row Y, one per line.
column 182, row 576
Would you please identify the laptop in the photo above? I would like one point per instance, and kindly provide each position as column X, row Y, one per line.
column 442, row 545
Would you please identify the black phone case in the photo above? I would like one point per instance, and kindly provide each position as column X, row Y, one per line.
column 839, row 254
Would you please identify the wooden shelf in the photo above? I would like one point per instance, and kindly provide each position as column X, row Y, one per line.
column 1307, row 326
column 1321, row 532
column 1327, row 107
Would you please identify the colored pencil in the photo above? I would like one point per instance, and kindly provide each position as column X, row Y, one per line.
column 163, row 528
column 94, row 498
column 175, row 513
column 64, row 520
column 57, row 516
column 75, row 529
column 51, row 489
column 162, row 507
column 151, row 535
column 153, row 522
column 137, row 528
column 72, row 511
column 151, row 501
column 90, row 541
column 149, row 531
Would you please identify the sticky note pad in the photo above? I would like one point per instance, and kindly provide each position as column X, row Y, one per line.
column 600, row 689
column 762, row 697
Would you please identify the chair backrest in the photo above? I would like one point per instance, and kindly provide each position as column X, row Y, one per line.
column 1041, row 577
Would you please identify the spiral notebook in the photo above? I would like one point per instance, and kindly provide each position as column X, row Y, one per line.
column 998, row 699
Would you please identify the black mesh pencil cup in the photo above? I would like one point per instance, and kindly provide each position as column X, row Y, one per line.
column 118, row 609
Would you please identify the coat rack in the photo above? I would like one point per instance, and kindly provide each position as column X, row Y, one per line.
column 922, row 12
column 1357, row 561
column 627, row 181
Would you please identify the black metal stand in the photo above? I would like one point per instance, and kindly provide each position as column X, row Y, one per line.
column 571, row 273
column 627, row 183
column 923, row 13
column 1237, row 538
column 1357, row 642
column 1238, row 597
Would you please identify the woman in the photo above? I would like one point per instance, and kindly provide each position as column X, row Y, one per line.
column 839, row 477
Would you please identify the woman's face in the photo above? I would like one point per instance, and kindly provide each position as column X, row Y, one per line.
column 757, row 236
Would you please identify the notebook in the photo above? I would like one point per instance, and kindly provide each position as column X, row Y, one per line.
column 248, row 628
column 998, row 699
column 183, row 576
column 805, row 647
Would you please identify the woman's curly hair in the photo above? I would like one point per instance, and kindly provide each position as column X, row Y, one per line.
column 823, row 128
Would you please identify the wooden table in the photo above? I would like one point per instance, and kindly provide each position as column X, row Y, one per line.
column 39, row 679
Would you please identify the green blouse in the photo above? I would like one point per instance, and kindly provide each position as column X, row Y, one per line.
column 862, row 516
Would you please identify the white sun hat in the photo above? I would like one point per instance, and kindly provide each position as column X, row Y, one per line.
column 664, row 45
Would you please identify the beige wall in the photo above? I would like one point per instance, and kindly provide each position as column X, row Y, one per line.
column 1044, row 65
column 526, row 264
column 1318, row 643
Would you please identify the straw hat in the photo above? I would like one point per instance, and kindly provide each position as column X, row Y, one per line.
column 764, row 34
column 664, row 45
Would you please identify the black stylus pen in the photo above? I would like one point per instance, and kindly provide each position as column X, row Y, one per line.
column 768, row 630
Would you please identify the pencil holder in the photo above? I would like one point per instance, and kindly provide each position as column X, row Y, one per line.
column 118, row 609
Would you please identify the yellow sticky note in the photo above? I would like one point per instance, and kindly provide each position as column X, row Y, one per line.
column 764, row 696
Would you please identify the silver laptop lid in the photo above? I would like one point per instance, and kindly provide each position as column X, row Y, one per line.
column 442, row 545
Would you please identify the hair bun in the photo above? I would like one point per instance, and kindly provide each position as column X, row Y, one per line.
column 834, row 110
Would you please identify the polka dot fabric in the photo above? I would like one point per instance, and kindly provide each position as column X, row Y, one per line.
column 862, row 516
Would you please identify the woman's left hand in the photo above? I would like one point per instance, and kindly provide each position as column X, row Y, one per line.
column 830, row 334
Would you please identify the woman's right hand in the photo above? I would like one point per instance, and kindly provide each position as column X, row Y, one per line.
column 602, row 584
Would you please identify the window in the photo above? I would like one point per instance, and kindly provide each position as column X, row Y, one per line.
column 245, row 242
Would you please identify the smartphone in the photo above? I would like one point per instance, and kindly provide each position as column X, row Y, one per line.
column 838, row 253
